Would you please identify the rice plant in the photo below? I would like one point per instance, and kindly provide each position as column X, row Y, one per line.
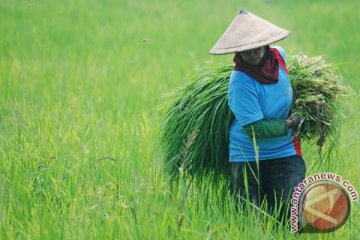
column 201, row 107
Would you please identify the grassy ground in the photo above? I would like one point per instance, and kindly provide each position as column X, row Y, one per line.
column 80, row 81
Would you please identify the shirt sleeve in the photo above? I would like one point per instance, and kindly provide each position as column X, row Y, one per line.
column 267, row 128
column 244, row 100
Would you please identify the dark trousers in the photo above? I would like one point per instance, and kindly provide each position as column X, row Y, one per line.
column 272, row 181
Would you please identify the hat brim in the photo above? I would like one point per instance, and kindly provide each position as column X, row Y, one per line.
column 248, row 31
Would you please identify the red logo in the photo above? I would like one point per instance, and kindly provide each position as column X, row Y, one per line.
column 325, row 207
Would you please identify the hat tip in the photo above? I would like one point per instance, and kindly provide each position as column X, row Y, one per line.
column 243, row 11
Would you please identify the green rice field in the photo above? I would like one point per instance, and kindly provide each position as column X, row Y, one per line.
column 80, row 87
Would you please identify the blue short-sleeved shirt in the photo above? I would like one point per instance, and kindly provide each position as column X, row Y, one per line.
column 251, row 101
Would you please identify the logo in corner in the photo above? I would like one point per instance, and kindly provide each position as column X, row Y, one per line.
column 325, row 207
column 321, row 203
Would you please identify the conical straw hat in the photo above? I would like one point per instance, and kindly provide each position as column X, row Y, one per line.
column 248, row 31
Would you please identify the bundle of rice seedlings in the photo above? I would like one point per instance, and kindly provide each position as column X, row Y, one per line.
column 316, row 87
column 195, row 132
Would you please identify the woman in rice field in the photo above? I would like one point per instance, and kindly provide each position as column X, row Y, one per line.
column 264, row 152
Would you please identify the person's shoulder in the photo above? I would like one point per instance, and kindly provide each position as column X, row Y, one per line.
column 281, row 51
column 239, row 78
column 241, row 82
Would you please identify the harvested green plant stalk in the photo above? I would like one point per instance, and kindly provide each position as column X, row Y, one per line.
column 194, row 134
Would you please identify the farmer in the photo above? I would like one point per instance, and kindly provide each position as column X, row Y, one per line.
column 264, row 153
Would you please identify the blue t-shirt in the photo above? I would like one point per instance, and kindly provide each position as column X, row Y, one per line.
column 251, row 101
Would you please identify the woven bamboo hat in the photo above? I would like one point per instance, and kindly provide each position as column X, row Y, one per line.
column 248, row 31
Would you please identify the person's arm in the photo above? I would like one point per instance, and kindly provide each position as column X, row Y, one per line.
column 244, row 99
column 271, row 128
